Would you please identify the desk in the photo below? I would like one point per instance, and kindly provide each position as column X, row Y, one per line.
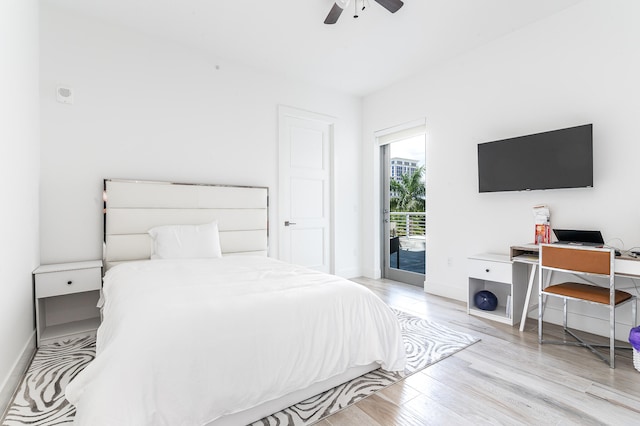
column 624, row 266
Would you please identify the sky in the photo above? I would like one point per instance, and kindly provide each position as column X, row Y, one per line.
column 412, row 148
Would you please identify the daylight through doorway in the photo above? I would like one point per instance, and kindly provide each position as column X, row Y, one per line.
column 404, row 207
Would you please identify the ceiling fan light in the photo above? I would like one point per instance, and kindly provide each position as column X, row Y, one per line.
column 343, row 3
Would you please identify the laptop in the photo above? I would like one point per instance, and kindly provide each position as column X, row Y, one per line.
column 581, row 238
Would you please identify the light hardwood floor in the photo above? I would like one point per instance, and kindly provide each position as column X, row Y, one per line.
column 506, row 378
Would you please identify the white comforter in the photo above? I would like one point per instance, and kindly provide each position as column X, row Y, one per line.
column 184, row 342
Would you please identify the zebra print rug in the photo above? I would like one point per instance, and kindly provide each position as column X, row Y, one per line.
column 40, row 400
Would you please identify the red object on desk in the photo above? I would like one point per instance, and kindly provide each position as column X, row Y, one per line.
column 542, row 234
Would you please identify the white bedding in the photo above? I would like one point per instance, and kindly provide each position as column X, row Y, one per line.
column 184, row 342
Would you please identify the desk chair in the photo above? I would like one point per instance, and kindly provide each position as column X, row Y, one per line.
column 582, row 261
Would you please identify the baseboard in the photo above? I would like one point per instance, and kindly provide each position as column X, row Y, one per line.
column 348, row 273
column 372, row 273
column 449, row 292
column 10, row 384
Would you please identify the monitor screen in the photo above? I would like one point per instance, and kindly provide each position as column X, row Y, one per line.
column 556, row 159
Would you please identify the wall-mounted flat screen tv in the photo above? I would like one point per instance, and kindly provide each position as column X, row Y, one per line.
column 549, row 160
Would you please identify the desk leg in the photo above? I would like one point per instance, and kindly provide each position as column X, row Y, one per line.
column 525, row 310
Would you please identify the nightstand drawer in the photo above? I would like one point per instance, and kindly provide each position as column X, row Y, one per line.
column 67, row 282
column 491, row 271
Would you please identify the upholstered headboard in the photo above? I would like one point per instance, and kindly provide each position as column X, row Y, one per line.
column 133, row 207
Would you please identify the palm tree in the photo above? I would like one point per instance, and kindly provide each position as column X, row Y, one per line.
column 409, row 192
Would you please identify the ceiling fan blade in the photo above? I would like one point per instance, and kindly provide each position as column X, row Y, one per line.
column 333, row 15
column 391, row 5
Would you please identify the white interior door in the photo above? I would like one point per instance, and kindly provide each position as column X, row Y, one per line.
column 305, row 236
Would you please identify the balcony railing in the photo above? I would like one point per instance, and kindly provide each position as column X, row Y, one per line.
column 408, row 230
column 407, row 224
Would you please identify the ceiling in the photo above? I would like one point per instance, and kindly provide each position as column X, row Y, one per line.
column 288, row 37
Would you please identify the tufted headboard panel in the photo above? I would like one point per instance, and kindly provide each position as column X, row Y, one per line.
column 133, row 207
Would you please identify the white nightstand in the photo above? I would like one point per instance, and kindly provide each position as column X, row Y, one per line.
column 66, row 295
column 498, row 274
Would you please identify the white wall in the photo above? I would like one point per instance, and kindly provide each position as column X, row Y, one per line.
column 19, row 170
column 146, row 108
column 579, row 66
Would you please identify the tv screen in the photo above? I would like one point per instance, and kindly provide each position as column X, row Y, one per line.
column 557, row 159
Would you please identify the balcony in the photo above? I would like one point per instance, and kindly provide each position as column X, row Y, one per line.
column 408, row 241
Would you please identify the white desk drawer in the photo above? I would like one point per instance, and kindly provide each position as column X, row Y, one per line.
column 67, row 282
column 491, row 271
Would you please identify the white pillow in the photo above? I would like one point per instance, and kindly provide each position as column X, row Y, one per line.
column 185, row 241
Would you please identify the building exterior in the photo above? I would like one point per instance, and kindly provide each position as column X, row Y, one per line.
column 400, row 166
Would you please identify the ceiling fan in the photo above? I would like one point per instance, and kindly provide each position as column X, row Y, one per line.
column 391, row 5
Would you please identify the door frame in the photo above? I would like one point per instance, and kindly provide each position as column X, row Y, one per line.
column 288, row 111
column 384, row 139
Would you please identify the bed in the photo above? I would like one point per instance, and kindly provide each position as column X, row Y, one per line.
column 222, row 339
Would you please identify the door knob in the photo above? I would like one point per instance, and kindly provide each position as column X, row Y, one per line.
column 287, row 223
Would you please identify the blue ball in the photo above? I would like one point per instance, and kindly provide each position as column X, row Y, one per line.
column 486, row 300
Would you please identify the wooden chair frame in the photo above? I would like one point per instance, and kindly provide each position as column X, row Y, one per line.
column 582, row 261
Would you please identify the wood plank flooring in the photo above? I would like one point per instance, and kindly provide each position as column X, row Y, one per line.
column 507, row 378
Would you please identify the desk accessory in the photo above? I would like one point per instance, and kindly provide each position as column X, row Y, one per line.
column 541, row 217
